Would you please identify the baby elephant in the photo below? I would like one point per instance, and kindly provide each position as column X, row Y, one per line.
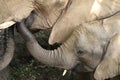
column 95, row 44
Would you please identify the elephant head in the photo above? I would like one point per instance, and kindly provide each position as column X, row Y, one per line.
column 62, row 18
column 77, row 13
column 46, row 12
column 67, row 55
column 62, row 15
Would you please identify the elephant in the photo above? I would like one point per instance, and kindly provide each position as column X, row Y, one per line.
column 56, row 14
column 59, row 15
column 6, row 47
column 95, row 44
column 61, row 18
column 6, row 52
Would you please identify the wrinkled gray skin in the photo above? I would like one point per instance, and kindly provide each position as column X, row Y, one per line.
column 61, row 15
column 65, row 15
column 69, row 15
column 7, row 50
column 95, row 44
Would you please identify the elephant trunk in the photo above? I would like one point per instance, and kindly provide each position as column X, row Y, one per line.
column 7, row 49
column 63, row 57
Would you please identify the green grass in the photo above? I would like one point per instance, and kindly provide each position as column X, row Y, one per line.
column 33, row 70
column 24, row 71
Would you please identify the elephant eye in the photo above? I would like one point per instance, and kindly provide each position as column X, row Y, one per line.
column 80, row 52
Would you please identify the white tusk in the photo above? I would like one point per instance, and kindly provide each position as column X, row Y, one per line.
column 7, row 24
column 65, row 71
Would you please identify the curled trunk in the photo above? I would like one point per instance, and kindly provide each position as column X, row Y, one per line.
column 62, row 57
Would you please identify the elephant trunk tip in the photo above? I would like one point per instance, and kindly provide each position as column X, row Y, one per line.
column 51, row 42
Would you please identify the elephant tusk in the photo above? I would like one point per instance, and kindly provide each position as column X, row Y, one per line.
column 6, row 24
column 64, row 72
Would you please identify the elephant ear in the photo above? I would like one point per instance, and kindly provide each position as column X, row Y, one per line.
column 14, row 9
column 109, row 67
column 104, row 8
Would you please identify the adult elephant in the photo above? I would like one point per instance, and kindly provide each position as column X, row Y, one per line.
column 95, row 44
column 62, row 15
column 65, row 15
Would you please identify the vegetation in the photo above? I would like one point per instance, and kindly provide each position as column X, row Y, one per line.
column 33, row 70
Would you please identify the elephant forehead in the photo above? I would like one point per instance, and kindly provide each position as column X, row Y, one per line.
column 16, row 9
